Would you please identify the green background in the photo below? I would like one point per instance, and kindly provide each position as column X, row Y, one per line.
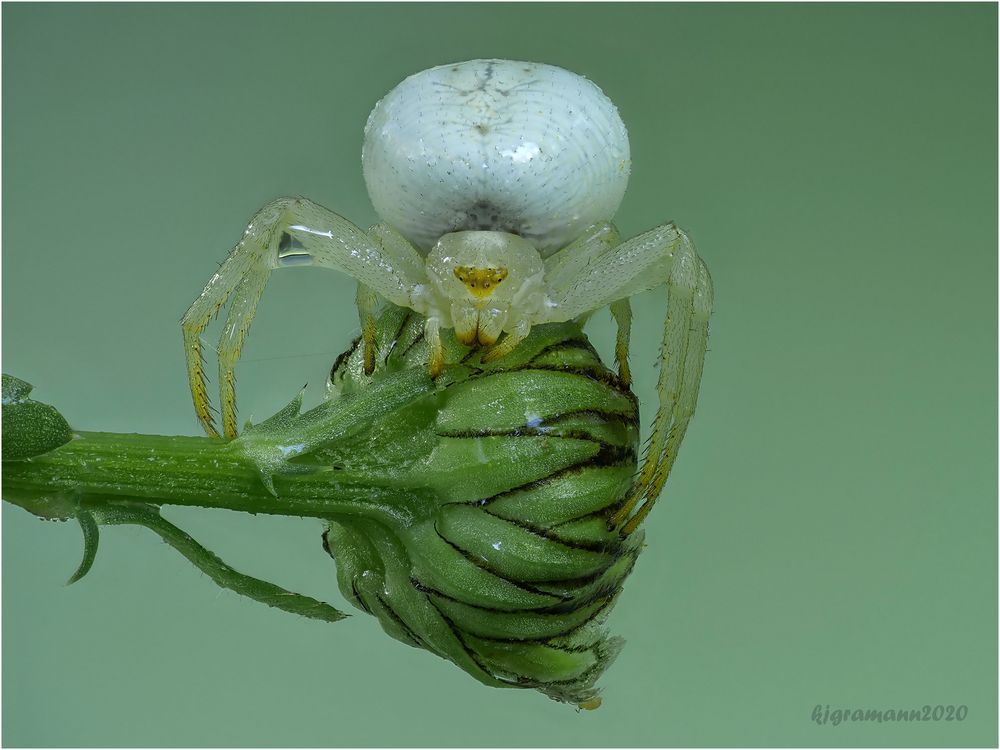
column 829, row 535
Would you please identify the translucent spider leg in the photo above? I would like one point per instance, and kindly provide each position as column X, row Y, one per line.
column 287, row 232
column 248, row 254
column 573, row 260
column 367, row 302
column 688, row 361
column 245, row 298
column 509, row 343
column 409, row 265
column 660, row 256
column 673, row 351
column 432, row 332
column 622, row 313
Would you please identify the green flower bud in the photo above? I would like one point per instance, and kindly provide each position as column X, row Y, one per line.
column 505, row 564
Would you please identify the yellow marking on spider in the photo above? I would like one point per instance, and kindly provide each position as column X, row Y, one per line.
column 480, row 281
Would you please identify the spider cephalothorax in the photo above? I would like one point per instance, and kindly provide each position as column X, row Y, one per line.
column 482, row 283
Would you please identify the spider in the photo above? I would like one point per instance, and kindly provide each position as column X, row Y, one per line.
column 496, row 181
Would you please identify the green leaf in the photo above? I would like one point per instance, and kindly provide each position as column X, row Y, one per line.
column 91, row 538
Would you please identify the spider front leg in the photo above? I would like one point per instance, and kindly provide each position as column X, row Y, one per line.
column 661, row 256
column 288, row 232
column 685, row 341
column 575, row 259
column 622, row 313
column 509, row 344
column 367, row 303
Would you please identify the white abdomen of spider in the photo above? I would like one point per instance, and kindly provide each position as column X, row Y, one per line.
column 524, row 148
column 496, row 182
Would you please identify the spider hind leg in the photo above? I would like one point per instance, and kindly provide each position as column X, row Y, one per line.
column 685, row 340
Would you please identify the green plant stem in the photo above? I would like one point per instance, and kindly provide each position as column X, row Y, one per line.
column 96, row 468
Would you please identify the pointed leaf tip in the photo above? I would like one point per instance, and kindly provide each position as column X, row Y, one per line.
column 91, row 537
column 15, row 390
column 282, row 417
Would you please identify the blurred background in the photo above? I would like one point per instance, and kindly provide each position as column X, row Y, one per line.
column 829, row 534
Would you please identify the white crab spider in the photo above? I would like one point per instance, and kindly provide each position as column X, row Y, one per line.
column 496, row 182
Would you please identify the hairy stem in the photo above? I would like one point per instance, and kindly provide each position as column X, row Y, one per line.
column 96, row 468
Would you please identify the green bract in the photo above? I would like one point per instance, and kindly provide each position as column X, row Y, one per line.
column 507, row 566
